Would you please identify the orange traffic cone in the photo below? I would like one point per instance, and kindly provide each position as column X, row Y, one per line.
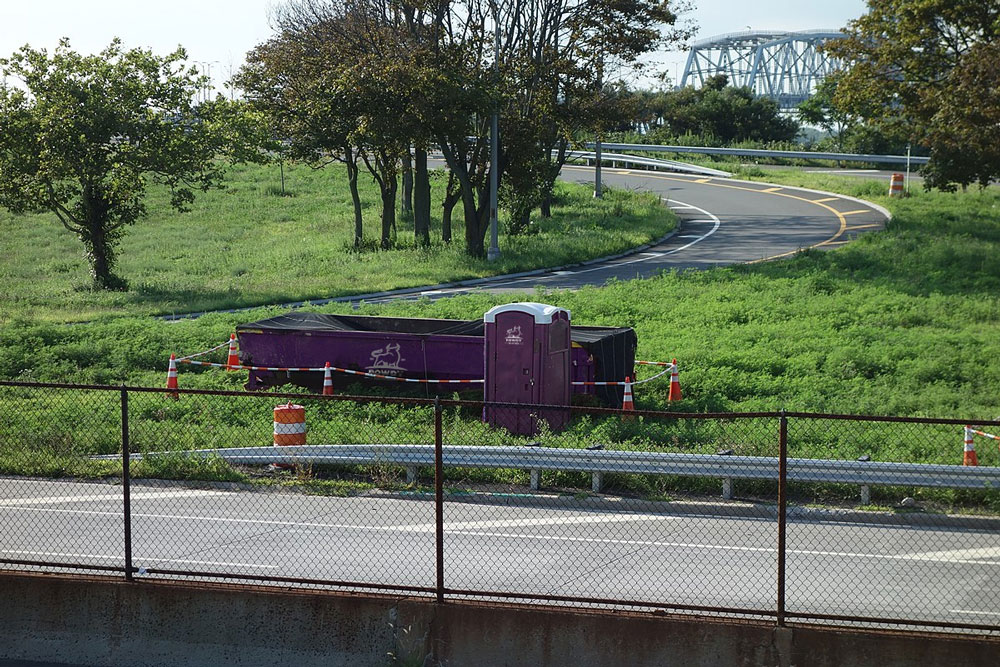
column 172, row 377
column 327, row 380
column 675, row 384
column 969, row 457
column 627, row 405
column 233, row 362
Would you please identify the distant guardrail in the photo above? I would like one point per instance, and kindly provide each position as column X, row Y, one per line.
column 656, row 163
column 597, row 462
column 755, row 152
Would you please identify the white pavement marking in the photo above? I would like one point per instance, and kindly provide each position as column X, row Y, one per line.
column 932, row 557
column 202, row 562
column 63, row 555
column 981, row 553
column 135, row 495
column 604, row 267
column 512, row 523
column 971, row 611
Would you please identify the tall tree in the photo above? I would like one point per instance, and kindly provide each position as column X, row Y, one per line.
column 84, row 134
column 930, row 67
column 293, row 78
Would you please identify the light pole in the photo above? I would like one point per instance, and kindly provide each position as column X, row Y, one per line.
column 598, row 193
column 493, row 254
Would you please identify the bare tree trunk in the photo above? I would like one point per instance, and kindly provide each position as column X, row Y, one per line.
column 389, row 186
column 452, row 194
column 421, row 199
column 351, row 159
column 407, row 203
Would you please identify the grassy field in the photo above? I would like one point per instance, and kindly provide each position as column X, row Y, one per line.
column 249, row 245
column 904, row 321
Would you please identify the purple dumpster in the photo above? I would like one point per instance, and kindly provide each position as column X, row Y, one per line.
column 527, row 361
column 428, row 349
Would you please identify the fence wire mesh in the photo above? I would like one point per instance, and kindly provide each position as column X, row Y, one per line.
column 569, row 505
column 595, row 511
column 887, row 551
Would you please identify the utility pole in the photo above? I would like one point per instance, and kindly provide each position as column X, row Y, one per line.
column 493, row 254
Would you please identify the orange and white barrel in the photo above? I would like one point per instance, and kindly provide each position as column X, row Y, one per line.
column 969, row 457
column 289, row 425
column 896, row 185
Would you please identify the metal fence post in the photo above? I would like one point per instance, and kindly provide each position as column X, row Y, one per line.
column 439, row 499
column 126, row 486
column 782, row 506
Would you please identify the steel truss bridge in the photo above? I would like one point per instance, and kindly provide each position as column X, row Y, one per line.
column 785, row 66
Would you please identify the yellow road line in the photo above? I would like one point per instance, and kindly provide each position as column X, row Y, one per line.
column 853, row 227
column 772, row 190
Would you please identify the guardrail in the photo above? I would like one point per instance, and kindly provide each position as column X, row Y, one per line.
column 670, row 165
column 597, row 462
column 756, row 152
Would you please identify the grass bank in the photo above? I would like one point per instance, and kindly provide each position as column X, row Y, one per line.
column 905, row 321
column 250, row 244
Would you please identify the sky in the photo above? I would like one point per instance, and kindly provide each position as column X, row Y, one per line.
column 217, row 33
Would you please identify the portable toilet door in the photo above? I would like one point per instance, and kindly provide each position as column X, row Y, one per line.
column 527, row 362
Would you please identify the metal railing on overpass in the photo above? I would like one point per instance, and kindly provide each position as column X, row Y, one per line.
column 764, row 153
column 473, row 511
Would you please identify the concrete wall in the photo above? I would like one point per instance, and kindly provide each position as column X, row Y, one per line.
column 106, row 621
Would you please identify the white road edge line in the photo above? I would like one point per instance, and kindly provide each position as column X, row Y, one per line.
column 711, row 218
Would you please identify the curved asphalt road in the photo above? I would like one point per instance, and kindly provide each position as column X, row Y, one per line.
column 722, row 221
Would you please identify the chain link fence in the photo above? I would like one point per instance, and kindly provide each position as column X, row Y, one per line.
column 784, row 516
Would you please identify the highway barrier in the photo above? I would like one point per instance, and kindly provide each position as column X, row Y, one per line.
column 417, row 496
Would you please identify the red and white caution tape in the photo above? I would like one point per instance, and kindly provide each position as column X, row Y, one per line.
column 202, row 354
column 669, row 367
column 322, row 369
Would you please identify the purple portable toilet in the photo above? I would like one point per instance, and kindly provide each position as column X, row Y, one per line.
column 528, row 362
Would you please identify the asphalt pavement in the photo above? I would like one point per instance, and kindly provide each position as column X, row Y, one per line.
column 716, row 554
column 722, row 222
